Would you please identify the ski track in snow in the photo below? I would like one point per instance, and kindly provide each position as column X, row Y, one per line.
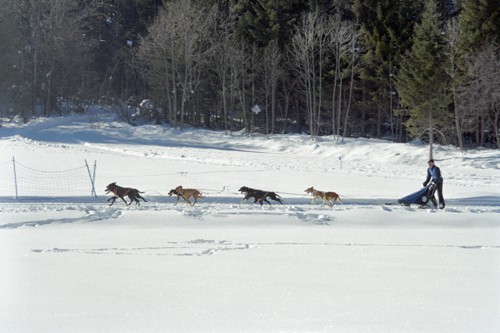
column 197, row 248
column 202, row 247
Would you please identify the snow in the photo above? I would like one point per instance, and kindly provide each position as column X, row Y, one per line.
column 74, row 264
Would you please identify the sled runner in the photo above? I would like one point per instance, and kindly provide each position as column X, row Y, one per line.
column 421, row 197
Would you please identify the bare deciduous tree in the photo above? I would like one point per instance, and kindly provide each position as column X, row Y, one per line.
column 453, row 35
column 241, row 65
column 272, row 72
column 318, row 37
column 352, row 67
column 308, row 52
column 479, row 94
column 175, row 52
column 344, row 36
column 52, row 48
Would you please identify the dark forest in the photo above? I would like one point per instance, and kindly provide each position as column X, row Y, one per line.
column 398, row 70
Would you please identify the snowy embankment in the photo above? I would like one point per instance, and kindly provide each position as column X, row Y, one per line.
column 72, row 263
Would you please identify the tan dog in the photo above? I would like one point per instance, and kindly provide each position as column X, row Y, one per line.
column 186, row 193
column 327, row 197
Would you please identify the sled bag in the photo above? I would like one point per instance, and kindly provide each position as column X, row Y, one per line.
column 420, row 197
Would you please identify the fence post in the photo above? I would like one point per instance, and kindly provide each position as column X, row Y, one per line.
column 15, row 175
column 91, row 180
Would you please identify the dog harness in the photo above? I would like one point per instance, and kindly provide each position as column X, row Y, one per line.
column 115, row 191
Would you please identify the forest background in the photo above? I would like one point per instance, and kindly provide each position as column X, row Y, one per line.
column 350, row 68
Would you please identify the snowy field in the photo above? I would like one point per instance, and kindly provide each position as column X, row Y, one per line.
column 71, row 263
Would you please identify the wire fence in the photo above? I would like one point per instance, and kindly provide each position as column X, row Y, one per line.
column 19, row 180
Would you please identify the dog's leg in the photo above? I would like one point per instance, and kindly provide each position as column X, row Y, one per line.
column 247, row 196
column 119, row 196
column 132, row 198
column 264, row 198
column 114, row 199
column 274, row 197
column 139, row 196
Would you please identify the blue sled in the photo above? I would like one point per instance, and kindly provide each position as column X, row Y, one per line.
column 421, row 197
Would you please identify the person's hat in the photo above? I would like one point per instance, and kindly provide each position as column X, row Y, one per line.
column 431, row 160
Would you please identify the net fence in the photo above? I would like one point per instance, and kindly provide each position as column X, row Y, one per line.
column 18, row 180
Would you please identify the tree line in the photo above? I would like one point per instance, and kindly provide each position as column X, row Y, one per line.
column 349, row 68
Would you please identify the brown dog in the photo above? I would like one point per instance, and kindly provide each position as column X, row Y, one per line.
column 186, row 194
column 327, row 197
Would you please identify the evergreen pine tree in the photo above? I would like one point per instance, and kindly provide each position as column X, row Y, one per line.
column 386, row 30
column 261, row 21
column 479, row 22
column 422, row 79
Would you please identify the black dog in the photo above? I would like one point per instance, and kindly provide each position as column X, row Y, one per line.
column 259, row 195
column 120, row 192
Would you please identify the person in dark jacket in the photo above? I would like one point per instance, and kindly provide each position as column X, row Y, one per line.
column 434, row 176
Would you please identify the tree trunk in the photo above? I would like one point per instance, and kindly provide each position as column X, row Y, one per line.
column 431, row 137
column 458, row 122
column 350, row 98
column 334, row 103
column 339, row 108
column 495, row 127
column 362, row 123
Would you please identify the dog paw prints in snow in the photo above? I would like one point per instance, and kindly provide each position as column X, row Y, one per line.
column 313, row 218
column 194, row 213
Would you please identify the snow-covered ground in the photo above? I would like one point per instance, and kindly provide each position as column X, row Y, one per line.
column 71, row 263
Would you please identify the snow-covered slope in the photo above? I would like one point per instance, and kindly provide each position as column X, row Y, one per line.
column 72, row 263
